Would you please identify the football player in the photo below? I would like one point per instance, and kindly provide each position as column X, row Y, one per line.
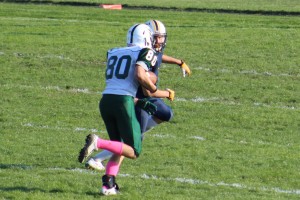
column 164, row 112
column 160, row 35
column 125, row 70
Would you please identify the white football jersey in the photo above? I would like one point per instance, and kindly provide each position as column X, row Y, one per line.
column 120, row 69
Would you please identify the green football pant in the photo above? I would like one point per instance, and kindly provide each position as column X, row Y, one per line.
column 118, row 114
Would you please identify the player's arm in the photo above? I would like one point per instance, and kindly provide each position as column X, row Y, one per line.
column 169, row 94
column 150, row 87
column 144, row 79
column 184, row 67
column 170, row 60
column 146, row 59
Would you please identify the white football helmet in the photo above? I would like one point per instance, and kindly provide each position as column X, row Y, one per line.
column 159, row 30
column 140, row 35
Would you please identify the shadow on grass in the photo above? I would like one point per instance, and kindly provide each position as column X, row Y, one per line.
column 208, row 10
column 33, row 189
column 36, row 189
column 26, row 189
column 15, row 166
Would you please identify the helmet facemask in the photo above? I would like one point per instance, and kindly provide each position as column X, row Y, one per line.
column 160, row 41
column 160, row 34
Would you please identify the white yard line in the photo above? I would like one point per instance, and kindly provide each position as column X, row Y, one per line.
column 55, row 88
column 155, row 135
column 177, row 99
column 176, row 179
column 186, row 180
column 154, row 177
column 251, row 72
column 76, row 129
column 222, row 71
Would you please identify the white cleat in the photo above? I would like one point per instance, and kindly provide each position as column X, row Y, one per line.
column 89, row 147
column 94, row 165
column 109, row 186
column 112, row 191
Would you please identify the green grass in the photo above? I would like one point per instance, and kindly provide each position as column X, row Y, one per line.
column 235, row 133
column 232, row 5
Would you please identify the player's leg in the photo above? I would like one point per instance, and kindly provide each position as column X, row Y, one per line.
column 128, row 130
column 96, row 161
column 117, row 111
column 111, row 108
column 128, row 125
column 120, row 120
column 109, row 185
column 164, row 113
column 94, row 142
column 142, row 117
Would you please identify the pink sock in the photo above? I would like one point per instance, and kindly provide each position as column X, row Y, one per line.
column 112, row 146
column 112, row 168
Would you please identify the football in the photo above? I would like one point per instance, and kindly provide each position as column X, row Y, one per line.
column 152, row 76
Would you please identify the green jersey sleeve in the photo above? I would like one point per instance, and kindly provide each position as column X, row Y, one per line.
column 147, row 58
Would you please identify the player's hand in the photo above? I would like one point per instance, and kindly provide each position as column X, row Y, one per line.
column 171, row 94
column 147, row 106
column 185, row 69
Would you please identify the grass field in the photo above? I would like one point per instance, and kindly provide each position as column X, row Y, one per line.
column 225, row 5
column 236, row 129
